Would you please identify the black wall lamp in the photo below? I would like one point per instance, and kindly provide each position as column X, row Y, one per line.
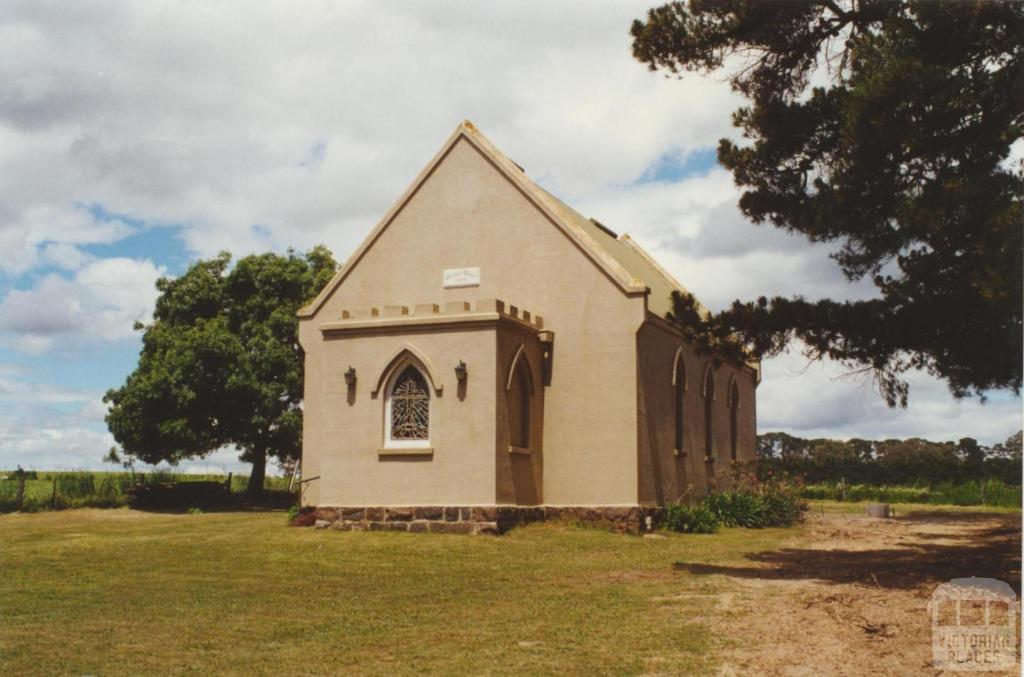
column 460, row 371
column 350, row 376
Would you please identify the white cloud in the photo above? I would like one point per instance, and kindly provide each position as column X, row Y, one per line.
column 64, row 255
column 1015, row 157
column 60, row 444
column 101, row 301
column 47, row 426
column 206, row 114
column 819, row 400
column 53, row 427
column 33, row 234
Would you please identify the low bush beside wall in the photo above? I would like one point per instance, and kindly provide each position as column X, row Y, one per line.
column 772, row 507
column 687, row 519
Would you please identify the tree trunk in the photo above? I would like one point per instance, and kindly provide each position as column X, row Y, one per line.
column 259, row 473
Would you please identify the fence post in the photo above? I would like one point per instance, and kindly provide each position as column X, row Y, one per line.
column 19, row 498
column 53, row 499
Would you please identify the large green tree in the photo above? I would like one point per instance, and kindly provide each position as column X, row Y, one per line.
column 899, row 156
column 221, row 364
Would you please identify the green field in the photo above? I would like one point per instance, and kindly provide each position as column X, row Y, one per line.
column 122, row 592
column 87, row 489
column 988, row 493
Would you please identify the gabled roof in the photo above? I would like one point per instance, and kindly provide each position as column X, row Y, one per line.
column 631, row 256
column 620, row 258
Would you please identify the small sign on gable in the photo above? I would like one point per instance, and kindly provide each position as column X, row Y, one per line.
column 461, row 277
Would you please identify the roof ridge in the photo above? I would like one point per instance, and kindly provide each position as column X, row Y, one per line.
column 627, row 239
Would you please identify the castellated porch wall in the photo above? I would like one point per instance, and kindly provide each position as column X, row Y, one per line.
column 467, row 460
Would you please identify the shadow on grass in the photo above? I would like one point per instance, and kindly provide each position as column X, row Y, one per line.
column 267, row 501
column 952, row 516
column 990, row 553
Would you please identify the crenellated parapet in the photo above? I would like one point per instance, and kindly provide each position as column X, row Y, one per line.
column 384, row 318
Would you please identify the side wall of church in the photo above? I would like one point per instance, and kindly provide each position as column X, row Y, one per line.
column 665, row 476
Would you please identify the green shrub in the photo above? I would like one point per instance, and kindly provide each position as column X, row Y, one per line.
column 293, row 512
column 773, row 506
column 690, row 520
column 737, row 509
column 782, row 508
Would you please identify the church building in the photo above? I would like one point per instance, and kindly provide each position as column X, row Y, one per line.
column 489, row 356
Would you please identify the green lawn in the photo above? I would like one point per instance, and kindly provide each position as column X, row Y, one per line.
column 111, row 592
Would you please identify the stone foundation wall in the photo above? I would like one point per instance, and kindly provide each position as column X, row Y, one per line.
column 474, row 520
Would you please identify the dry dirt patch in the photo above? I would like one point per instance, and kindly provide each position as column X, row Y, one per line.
column 854, row 599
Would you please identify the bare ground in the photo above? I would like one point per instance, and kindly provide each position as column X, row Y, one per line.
column 854, row 600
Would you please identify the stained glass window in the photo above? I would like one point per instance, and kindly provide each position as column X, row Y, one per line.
column 410, row 406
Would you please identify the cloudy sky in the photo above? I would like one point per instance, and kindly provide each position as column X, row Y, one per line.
column 138, row 136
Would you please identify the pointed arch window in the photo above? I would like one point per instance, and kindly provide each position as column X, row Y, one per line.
column 407, row 409
column 709, row 413
column 519, row 406
column 678, row 401
column 734, row 405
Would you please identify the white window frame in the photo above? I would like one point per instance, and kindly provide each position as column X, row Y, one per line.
column 390, row 443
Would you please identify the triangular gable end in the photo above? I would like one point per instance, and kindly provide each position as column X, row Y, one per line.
column 536, row 196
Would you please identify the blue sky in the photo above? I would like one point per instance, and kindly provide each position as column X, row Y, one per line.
column 676, row 167
column 92, row 366
column 145, row 137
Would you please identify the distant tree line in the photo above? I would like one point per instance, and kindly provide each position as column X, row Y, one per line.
column 913, row 461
